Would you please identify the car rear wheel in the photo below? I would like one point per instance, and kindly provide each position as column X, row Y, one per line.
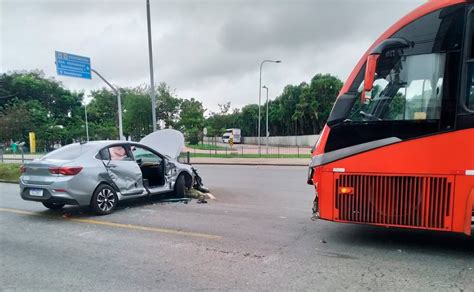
column 53, row 206
column 104, row 200
column 179, row 186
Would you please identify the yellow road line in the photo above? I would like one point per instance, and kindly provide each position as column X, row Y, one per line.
column 118, row 225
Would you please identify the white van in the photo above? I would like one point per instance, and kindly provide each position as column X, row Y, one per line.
column 235, row 133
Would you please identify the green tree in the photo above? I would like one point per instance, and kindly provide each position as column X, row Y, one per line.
column 45, row 103
column 248, row 120
column 137, row 119
column 15, row 121
column 317, row 101
column 102, row 115
column 217, row 122
column 191, row 120
column 167, row 105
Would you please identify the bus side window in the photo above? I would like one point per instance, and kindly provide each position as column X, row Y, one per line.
column 470, row 68
column 470, row 86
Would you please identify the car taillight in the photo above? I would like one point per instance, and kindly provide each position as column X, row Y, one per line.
column 22, row 169
column 66, row 170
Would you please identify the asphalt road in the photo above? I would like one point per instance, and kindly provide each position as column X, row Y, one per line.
column 257, row 235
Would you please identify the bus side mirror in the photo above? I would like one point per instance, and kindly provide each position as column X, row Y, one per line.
column 373, row 58
column 369, row 77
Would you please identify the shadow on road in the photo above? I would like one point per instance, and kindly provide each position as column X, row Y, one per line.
column 85, row 212
column 406, row 240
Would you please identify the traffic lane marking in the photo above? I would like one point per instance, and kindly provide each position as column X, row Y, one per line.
column 118, row 225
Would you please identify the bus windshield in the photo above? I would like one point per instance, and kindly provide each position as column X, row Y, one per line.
column 406, row 88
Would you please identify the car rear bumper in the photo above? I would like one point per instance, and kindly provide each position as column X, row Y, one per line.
column 48, row 197
column 54, row 193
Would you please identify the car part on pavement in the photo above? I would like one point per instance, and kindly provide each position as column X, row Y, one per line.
column 53, row 206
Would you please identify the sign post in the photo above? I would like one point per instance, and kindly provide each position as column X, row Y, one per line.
column 204, row 131
column 32, row 142
column 73, row 65
column 80, row 67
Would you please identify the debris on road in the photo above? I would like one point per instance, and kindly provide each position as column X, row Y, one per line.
column 201, row 200
column 200, row 196
column 236, row 253
column 176, row 200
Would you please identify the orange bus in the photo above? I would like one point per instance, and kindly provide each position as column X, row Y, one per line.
column 398, row 147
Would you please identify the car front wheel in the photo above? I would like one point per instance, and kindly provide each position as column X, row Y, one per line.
column 104, row 200
column 179, row 186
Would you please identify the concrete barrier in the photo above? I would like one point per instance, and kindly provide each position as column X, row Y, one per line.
column 304, row 140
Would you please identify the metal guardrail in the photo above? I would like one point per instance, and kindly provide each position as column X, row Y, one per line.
column 236, row 151
column 19, row 157
column 252, row 152
column 185, row 158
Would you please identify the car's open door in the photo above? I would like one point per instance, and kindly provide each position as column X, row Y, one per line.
column 123, row 170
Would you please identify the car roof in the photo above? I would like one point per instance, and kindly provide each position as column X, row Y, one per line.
column 106, row 142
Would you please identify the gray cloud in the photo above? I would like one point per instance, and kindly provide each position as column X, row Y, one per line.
column 210, row 50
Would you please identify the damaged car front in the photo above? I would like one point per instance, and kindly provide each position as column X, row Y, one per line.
column 170, row 143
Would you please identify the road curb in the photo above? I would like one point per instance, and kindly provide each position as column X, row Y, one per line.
column 9, row 181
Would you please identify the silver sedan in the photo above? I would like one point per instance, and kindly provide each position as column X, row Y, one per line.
column 101, row 173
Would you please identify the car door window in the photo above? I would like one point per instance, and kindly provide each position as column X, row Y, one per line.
column 119, row 153
column 145, row 155
column 103, row 154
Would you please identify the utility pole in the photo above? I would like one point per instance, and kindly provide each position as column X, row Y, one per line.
column 87, row 125
column 260, row 98
column 119, row 103
column 266, row 128
column 150, row 57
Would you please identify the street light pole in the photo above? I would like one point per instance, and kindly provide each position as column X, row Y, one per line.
column 260, row 99
column 87, row 125
column 266, row 134
column 119, row 102
column 150, row 57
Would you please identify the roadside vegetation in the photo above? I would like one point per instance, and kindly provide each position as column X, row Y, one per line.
column 204, row 146
column 9, row 171
column 33, row 102
column 238, row 155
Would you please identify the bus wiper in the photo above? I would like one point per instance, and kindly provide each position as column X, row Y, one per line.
column 370, row 117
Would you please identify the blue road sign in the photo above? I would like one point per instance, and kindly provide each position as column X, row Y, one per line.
column 73, row 65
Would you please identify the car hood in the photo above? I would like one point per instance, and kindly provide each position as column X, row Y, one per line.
column 168, row 142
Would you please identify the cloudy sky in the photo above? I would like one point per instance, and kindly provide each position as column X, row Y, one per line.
column 210, row 50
